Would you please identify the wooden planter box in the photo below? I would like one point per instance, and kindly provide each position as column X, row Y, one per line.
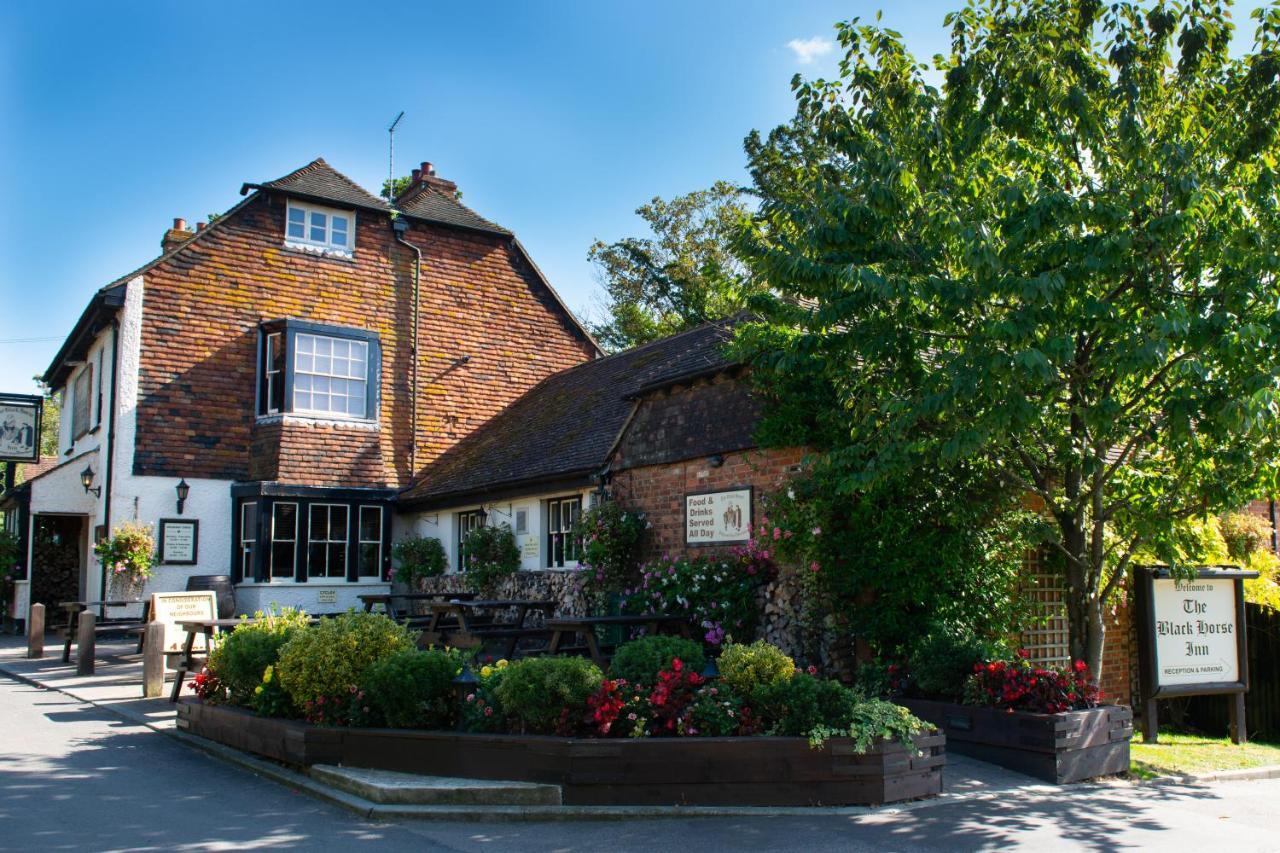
column 749, row 771
column 1058, row 748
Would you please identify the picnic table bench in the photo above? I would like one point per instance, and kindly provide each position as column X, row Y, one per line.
column 568, row 626
column 106, row 626
column 463, row 623
column 388, row 601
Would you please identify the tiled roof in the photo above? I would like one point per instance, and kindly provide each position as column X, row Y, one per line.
column 567, row 424
column 319, row 181
column 436, row 205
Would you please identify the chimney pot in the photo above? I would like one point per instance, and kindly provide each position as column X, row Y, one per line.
column 200, row 226
column 427, row 170
column 417, row 175
column 179, row 224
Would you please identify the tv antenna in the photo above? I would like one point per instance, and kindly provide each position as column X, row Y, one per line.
column 391, row 157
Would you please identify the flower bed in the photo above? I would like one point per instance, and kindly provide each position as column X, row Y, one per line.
column 777, row 771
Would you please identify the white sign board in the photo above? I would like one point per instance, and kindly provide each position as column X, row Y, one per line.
column 173, row 608
column 1195, row 627
column 326, row 596
column 717, row 517
column 178, row 541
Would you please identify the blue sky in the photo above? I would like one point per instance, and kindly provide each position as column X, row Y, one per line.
column 555, row 119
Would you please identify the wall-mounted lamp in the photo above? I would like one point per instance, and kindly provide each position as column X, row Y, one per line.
column 86, row 480
column 493, row 510
column 183, row 490
column 483, row 515
column 715, row 460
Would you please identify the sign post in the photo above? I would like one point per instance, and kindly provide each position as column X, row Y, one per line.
column 1193, row 640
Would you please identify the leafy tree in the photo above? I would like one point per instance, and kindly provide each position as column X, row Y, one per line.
column 51, row 415
column 1061, row 264
column 684, row 275
column 396, row 187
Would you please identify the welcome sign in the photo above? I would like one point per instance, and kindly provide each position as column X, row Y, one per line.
column 717, row 518
column 1195, row 631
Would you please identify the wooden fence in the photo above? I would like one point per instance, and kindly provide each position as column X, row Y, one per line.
column 1262, row 702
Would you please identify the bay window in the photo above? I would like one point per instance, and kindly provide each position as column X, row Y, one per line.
column 310, row 534
column 317, row 370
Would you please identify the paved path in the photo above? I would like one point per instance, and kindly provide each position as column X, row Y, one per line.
column 77, row 776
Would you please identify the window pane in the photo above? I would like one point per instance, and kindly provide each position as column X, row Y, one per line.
column 338, row 523
column 297, row 214
column 317, row 219
column 316, row 560
column 305, row 343
column 295, row 230
column 282, row 559
column 369, row 554
column 339, row 224
column 323, row 345
column 248, row 521
column 304, row 362
column 339, row 239
column 370, row 524
column 319, row 523
column 338, row 560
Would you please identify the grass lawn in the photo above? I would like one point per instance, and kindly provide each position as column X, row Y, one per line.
column 1183, row 754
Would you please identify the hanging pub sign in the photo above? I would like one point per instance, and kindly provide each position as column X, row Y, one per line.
column 717, row 518
column 20, row 427
column 1192, row 632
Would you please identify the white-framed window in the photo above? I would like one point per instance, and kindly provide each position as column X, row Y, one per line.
column 309, row 227
column 369, row 546
column 274, row 391
column 330, row 375
column 467, row 522
column 284, row 539
column 248, row 537
column 562, row 545
column 327, row 541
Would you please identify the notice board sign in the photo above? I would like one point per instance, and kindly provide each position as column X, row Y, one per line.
column 1192, row 635
column 20, row 427
column 171, row 609
column 179, row 541
column 717, row 518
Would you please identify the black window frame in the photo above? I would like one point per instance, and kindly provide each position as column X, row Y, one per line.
column 561, row 538
column 255, row 564
column 288, row 330
column 466, row 521
column 324, row 550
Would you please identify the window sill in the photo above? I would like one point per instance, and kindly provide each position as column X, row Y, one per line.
column 291, row 418
column 321, row 252
column 316, row 584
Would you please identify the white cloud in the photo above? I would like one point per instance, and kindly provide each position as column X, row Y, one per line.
column 807, row 50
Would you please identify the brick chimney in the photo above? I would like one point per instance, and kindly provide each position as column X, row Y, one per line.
column 425, row 176
column 175, row 236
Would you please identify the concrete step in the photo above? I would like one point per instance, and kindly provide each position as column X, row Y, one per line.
column 384, row 786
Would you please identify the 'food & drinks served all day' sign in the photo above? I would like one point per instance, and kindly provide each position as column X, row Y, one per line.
column 717, row 518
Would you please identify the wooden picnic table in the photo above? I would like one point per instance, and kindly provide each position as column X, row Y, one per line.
column 388, row 599
column 125, row 626
column 586, row 625
column 471, row 631
column 194, row 628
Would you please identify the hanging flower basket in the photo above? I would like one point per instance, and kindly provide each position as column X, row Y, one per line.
column 127, row 556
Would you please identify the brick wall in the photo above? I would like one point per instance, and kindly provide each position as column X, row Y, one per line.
column 1119, row 675
column 659, row 490
column 203, row 306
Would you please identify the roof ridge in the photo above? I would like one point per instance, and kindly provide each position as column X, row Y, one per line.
column 723, row 321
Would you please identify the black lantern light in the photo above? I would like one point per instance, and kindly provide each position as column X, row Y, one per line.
column 183, row 490
column 86, row 480
column 483, row 515
column 465, row 682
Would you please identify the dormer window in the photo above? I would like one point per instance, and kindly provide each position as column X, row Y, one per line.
column 310, row 228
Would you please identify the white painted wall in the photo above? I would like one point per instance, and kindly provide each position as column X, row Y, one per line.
column 443, row 525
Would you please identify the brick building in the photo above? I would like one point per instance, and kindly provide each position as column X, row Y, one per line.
column 293, row 364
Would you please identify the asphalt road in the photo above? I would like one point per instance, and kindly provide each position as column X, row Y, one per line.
column 73, row 776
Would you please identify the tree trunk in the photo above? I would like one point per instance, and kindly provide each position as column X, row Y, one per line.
column 1086, row 628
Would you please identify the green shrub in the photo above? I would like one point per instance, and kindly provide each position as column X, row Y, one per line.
column 797, row 706
column 535, row 692
column 942, row 662
column 640, row 661
column 331, row 657
column 492, row 555
column 242, row 657
column 610, row 557
column 270, row 699
column 1244, row 534
column 872, row 719
column 419, row 557
column 744, row 667
column 8, row 553
column 413, row 690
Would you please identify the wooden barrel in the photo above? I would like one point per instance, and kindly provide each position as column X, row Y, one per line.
column 220, row 584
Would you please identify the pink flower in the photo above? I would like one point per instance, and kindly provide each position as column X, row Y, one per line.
column 488, row 712
column 813, row 567
column 777, row 533
column 817, row 531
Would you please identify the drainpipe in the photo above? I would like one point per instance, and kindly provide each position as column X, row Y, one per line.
column 1271, row 509
column 400, row 227
column 109, row 463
